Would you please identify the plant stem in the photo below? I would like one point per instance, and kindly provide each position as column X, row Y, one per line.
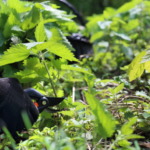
column 51, row 81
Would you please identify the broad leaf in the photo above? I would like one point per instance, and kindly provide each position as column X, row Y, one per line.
column 75, row 68
column 119, row 88
column 127, row 128
column 104, row 120
column 14, row 54
column 61, row 50
column 135, row 68
column 40, row 34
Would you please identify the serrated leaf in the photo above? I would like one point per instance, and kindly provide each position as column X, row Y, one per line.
column 104, row 119
column 62, row 51
column 127, row 129
column 32, row 19
column 58, row 36
column 5, row 8
column 9, row 71
column 18, row 5
column 35, row 64
column 135, row 68
column 119, row 88
column 40, row 34
column 27, row 76
column 60, row 15
column 75, row 68
column 31, row 45
column 14, row 54
column 11, row 21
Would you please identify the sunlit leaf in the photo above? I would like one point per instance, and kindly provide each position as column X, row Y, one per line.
column 14, row 54
column 104, row 120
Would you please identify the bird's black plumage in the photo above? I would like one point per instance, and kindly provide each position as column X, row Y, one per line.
column 13, row 100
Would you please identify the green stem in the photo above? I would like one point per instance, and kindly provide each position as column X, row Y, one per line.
column 51, row 81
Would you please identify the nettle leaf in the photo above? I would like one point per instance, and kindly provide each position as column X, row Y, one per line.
column 40, row 34
column 27, row 76
column 58, row 36
column 60, row 15
column 104, row 120
column 5, row 8
column 9, row 71
column 75, row 68
column 127, row 129
column 14, row 54
column 61, row 50
column 11, row 21
column 18, row 5
column 32, row 19
column 35, row 64
column 136, row 68
column 31, row 45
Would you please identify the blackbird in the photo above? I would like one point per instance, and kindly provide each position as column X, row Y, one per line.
column 14, row 100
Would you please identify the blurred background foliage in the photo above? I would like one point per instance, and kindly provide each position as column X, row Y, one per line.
column 89, row 7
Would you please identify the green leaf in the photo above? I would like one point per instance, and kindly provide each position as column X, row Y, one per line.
column 60, row 15
column 127, row 51
column 68, row 113
column 127, row 6
column 127, row 129
column 119, row 88
column 146, row 115
column 96, row 36
column 9, row 71
column 61, row 50
column 27, row 76
column 132, row 24
column 2, row 39
column 135, row 68
column 11, row 21
column 134, row 136
column 32, row 19
column 104, row 120
column 75, row 68
column 146, row 57
column 40, row 32
column 58, row 36
column 18, row 5
column 124, row 143
column 31, row 45
column 121, row 35
column 14, row 54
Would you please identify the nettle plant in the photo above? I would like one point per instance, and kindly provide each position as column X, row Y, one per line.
column 119, row 34
column 31, row 36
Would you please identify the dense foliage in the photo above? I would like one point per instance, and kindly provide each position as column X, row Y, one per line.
column 112, row 112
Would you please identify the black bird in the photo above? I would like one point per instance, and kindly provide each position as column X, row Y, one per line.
column 14, row 100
